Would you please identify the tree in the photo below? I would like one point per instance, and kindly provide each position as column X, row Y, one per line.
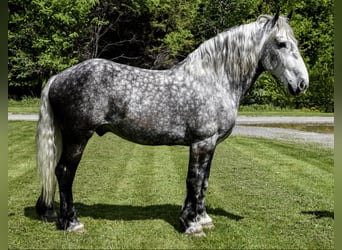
column 117, row 31
column 316, row 31
column 147, row 33
column 45, row 37
column 215, row 16
column 172, row 36
column 41, row 39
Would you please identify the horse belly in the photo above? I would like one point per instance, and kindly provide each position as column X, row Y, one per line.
column 147, row 133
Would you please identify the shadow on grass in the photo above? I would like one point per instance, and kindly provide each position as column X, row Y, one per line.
column 320, row 214
column 167, row 212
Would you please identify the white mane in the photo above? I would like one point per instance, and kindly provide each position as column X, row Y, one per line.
column 235, row 52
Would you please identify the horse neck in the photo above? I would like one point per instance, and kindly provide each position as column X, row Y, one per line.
column 231, row 58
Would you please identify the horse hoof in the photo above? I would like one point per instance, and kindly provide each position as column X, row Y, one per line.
column 195, row 229
column 208, row 226
column 76, row 227
column 205, row 221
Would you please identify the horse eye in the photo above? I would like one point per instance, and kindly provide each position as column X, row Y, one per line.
column 281, row 45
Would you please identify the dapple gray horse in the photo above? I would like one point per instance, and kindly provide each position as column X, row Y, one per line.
column 195, row 103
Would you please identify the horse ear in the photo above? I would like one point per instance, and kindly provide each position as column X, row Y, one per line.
column 262, row 19
column 289, row 16
column 275, row 19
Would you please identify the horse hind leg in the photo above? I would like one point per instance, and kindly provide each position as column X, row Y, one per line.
column 46, row 212
column 65, row 172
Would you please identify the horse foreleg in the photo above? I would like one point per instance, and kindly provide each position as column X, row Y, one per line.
column 65, row 172
column 202, row 217
column 193, row 212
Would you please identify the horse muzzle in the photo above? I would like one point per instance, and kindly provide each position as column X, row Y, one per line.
column 299, row 88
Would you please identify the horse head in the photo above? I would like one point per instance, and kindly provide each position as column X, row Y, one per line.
column 280, row 55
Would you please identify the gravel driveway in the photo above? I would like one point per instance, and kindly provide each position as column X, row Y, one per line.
column 325, row 140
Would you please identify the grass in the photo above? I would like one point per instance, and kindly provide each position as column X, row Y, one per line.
column 262, row 194
column 24, row 106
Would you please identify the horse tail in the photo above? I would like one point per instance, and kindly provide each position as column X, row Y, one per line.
column 49, row 147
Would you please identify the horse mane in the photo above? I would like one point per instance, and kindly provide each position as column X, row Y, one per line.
column 235, row 52
column 283, row 27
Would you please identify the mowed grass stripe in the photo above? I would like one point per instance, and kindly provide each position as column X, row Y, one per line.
column 103, row 170
column 22, row 174
column 141, row 194
column 23, row 134
column 169, row 176
column 278, row 168
column 298, row 170
column 130, row 196
column 23, row 189
column 128, row 176
column 252, row 186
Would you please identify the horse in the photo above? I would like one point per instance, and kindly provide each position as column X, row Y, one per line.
column 194, row 103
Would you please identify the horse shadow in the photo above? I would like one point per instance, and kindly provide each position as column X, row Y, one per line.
column 167, row 212
column 320, row 214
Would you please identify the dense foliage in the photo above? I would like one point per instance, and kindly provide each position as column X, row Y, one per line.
column 45, row 37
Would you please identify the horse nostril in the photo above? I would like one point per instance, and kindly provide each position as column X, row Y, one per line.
column 302, row 86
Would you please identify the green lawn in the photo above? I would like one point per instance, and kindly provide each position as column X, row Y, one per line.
column 25, row 106
column 262, row 194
